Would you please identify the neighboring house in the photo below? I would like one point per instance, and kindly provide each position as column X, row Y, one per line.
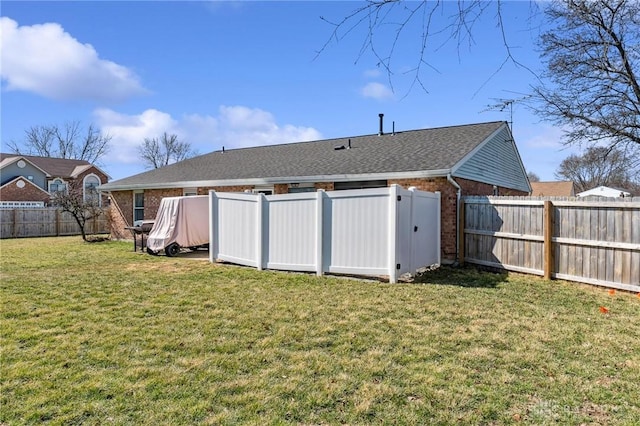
column 30, row 181
column 605, row 191
column 475, row 159
column 553, row 189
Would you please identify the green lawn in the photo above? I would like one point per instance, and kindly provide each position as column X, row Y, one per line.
column 97, row 334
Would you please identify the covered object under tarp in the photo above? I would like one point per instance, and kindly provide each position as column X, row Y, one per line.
column 180, row 222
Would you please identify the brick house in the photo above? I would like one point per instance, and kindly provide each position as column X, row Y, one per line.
column 475, row 159
column 31, row 181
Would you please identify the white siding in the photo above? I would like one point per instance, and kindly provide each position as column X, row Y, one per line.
column 496, row 162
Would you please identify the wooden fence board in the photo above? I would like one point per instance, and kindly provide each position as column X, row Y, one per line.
column 593, row 241
column 45, row 222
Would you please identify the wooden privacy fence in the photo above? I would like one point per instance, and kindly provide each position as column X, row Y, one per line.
column 45, row 222
column 375, row 232
column 594, row 241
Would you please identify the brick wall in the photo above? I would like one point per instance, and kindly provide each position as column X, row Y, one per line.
column 238, row 188
column 327, row 186
column 152, row 198
column 28, row 192
column 281, row 188
column 470, row 187
column 120, row 214
column 93, row 171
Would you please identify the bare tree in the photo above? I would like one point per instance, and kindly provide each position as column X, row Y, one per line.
column 160, row 152
column 598, row 166
column 82, row 203
column 591, row 51
column 386, row 22
column 533, row 177
column 592, row 54
column 67, row 141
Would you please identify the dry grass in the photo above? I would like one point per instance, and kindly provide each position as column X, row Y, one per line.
column 95, row 334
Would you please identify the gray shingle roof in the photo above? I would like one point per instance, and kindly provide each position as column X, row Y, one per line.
column 58, row 167
column 416, row 150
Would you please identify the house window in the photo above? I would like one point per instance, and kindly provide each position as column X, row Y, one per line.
column 295, row 188
column 363, row 184
column 266, row 190
column 91, row 195
column 138, row 206
column 57, row 185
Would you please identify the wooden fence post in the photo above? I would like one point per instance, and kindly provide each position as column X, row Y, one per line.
column 461, row 233
column 549, row 259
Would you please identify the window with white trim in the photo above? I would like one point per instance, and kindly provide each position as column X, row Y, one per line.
column 90, row 191
column 57, row 185
column 301, row 187
column 266, row 190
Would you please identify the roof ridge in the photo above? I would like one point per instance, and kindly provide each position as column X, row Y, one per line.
column 359, row 136
column 29, row 156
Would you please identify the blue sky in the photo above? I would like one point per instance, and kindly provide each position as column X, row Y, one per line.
column 238, row 74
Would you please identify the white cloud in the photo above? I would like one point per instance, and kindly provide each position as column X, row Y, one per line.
column 233, row 127
column 240, row 126
column 46, row 60
column 129, row 131
column 376, row 91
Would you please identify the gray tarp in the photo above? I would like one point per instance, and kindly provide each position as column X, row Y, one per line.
column 181, row 220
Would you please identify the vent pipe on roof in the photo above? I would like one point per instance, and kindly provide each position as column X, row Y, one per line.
column 349, row 146
column 381, row 131
column 223, row 149
column 393, row 127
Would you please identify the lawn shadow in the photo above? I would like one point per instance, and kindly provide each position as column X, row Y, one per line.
column 465, row 276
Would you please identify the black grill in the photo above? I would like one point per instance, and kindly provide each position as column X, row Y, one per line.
column 143, row 229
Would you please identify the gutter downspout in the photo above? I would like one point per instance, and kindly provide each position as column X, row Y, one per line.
column 458, row 194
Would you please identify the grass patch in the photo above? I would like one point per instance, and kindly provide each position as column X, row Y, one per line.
column 95, row 334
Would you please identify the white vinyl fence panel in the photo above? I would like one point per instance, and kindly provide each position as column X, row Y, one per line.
column 359, row 232
column 372, row 232
column 238, row 216
column 291, row 235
